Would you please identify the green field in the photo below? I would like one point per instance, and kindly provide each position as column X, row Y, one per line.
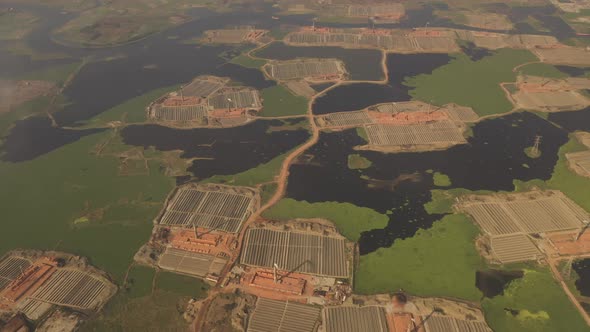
column 538, row 303
column 16, row 24
column 441, row 180
column 440, row 261
column 139, row 281
column 58, row 74
column 542, row 69
column 248, row 62
column 72, row 183
column 260, row 174
column 471, row 83
column 181, row 285
column 278, row 101
column 131, row 111
column 571, row 184
column 350, row 219
column 356, row 161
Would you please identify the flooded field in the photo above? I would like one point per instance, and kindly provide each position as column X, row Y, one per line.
column 493, row 282
column 399, row 184
column 219, row 151
column 344, row 98
column 572, row 121
column 582, row 268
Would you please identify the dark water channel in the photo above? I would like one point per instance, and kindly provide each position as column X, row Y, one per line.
column 400, row 183
column 400, row 66
column 572, row 121
column 582, row 268
column 219, row 151
column 493, row 282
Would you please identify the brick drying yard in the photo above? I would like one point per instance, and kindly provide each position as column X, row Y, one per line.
column 207, row 101
column 512, row 222
column 405, row 126
column 397, row 41
column 317, row 70
column 210, row 206
column 281, row 316
column 293, row 251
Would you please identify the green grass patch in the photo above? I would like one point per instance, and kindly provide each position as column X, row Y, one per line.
column 133, row 110
column 362, row 134
column 531, row 153
column 350, row 219
column 139, row 281
column 70, row 183
column 356, row 161
column 279, row 101
column 260, row 174
column 543, row 70
column 539, row 305
column 181, row 285
column 440, row 261
column 441, row 180
column 267, row 191
column 571, row 184
column 58, row 74
column 248, row 62
column 475, row 83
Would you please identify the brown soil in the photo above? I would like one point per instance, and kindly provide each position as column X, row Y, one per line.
column 14, row 93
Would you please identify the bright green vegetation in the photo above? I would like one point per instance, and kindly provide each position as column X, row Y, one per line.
column 356, row 161
column 248, row 62
column 441, row 180
column 540, row 303
column 260, row 174
column 542, row 69
column 72, row 182
column 475, row 83
column 57, row 74
column 133, row 110
column 267, row 191
column 531, row 153
column 440, row 261
column 350, row 219
column 15, row 24
column 571, row 184
column 139, row 281
column 362, row 134
column 278, row 101
column 181, row 285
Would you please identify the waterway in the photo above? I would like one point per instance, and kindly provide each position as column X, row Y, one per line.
column 582, row 268
column 572, row 121
column 399, row 184
column 219, row 151
column 400, row 66
column 493, row 282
